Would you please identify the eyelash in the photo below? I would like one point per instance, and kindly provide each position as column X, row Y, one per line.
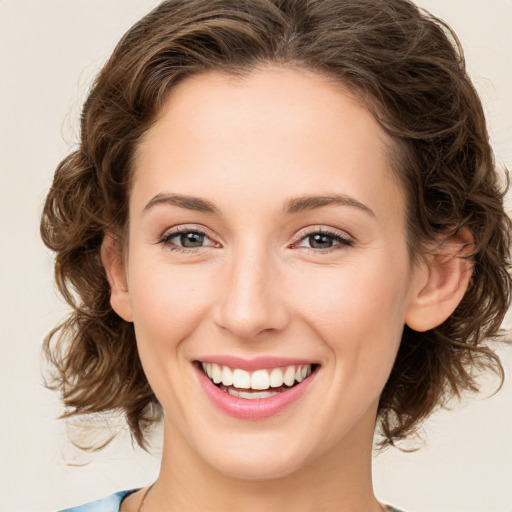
column 343, row 241
column 166, row 239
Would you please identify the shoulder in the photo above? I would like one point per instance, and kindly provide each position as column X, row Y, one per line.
column 108, row 504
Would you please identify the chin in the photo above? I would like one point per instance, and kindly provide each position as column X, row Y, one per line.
column 257, row 468
column 249, row 454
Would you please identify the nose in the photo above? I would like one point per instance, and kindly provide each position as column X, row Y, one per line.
column 252, row 298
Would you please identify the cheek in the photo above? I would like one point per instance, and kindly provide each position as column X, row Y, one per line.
column 357, row 298
column 167, row 302
column 360, row 315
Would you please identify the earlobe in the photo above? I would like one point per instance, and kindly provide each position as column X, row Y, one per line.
column 112, row 258
column 440, row 282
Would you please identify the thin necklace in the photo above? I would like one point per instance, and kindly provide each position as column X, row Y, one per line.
column 141, row 506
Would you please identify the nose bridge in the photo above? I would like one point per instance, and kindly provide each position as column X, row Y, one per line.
column 252, row 301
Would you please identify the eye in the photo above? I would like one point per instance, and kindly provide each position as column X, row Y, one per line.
column 324, row 241
column 183, row 239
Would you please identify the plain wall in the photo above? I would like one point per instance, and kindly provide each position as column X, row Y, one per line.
column 49, row 52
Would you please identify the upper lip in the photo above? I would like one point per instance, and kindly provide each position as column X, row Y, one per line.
column 256, row 363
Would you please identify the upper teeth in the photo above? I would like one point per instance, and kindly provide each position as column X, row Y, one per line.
column 259, row 379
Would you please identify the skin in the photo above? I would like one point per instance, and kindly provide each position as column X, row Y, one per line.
column 257, row 287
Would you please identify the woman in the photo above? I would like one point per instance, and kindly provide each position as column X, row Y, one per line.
column 284, row 226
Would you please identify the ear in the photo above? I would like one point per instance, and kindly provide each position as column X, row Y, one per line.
column 112, row 258
column 440, row 281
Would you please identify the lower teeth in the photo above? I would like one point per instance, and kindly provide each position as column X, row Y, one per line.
column 251, row 394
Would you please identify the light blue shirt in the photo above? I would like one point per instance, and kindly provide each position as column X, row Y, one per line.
column 111, row 503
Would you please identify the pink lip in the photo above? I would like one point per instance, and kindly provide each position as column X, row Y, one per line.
column 257, row 409
column 258, row 363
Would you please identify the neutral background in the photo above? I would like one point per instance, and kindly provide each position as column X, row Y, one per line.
column 49, row 52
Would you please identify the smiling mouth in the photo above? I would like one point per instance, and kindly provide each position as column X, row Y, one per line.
column 258, row 384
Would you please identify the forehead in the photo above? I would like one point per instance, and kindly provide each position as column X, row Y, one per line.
column 274, row 130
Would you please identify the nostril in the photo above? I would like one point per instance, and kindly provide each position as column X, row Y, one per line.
column 251, row 309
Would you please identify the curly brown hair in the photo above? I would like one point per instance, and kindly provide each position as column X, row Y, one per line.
column 405, row 66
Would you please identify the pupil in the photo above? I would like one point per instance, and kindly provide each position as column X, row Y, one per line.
column 320, row 241
column 191, row 239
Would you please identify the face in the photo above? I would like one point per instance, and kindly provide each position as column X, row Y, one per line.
column 267, row 232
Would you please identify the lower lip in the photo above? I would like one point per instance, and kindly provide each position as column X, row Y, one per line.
column 256, row 409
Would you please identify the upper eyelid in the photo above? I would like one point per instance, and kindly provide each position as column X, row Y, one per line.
column 311, row 230
column 193, row 228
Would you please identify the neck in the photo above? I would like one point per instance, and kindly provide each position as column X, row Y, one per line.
column 336, row 481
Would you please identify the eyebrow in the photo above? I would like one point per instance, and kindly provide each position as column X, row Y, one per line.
column 188, row 202
column 305, row 203
column 294, row 205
